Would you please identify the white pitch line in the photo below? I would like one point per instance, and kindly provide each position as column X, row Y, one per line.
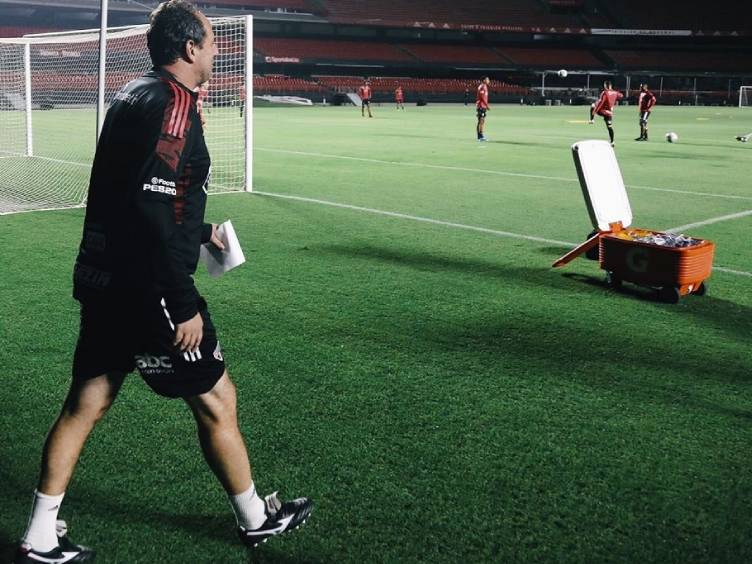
column 710, row 221
column 422, row 219
column 59, row 208
column 494, row 172
column 730, row 271
column 417, row 165
column 451, row 224
column 61, row 161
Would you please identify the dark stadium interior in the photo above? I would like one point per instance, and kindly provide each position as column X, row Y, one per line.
column 436, row 48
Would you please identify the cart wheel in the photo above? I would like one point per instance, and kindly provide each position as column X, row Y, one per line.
column 701, row 290
column 594, row 253
column 612, row 280
column 669, row 294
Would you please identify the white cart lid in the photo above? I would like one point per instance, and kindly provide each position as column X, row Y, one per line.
column 602, row 184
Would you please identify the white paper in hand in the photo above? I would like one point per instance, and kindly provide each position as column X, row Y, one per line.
column 218, row 262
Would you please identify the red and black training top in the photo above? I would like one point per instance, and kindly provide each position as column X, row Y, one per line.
column 147, row 195
column 646, row 101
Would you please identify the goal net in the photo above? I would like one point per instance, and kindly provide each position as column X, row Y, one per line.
column 745, row 96
column 48, row 110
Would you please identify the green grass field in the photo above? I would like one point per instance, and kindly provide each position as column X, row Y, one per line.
column 438, row 389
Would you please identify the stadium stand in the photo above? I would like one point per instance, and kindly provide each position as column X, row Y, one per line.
column 308, row 49
column 301, row 6
column 538, row 57
column 674, row 14
column 280, row 84
column 20, row 31
column 296, row 57
column 455, row 54
column 398, row 12
column 681, row 60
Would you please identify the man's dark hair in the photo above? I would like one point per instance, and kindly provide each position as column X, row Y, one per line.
column 607, row 84
column 173, row 23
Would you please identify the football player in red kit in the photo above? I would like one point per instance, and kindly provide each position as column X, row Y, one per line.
column 645, row 104
column 605, row 105
column 365, row 99
column 399, row 98
column 481, row 106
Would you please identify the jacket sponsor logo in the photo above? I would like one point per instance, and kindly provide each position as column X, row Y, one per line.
column 162, row 186
column 126, row 98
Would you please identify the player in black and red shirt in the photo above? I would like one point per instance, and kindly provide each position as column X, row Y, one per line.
column 140, row 309
column 645, row 104
column 481, row 107
column 605, row 105
column 364, row 91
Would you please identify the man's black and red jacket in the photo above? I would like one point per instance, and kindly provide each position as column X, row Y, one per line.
column 147, row 194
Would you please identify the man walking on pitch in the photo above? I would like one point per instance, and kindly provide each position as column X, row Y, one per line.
column 133, row 278
column 365, row 99
column 605, row 105
column 481, row 107
column 399, row 98
column 645, row 104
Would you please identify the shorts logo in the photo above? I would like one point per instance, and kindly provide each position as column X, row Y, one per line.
column 218, row 352
column 162, row 186
column 149, row 364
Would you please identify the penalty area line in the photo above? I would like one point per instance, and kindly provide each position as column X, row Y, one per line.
column 710, row 221
column 497, row 233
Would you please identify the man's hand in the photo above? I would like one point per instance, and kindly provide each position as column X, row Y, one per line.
column 188, row 334
column 215, row 240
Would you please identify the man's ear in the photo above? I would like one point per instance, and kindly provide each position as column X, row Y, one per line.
column 189, row 51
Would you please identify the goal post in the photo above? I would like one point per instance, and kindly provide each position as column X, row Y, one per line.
column 50, row 92
column 745, row 96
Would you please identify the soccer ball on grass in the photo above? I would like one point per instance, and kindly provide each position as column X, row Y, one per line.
column 672, row 137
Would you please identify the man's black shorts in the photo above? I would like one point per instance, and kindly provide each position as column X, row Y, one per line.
column 118, row 335
column 481, row 113
column 644, row 116
column 366, row 102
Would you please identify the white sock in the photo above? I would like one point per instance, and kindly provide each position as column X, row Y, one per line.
column 249, row 508
column 41, row 533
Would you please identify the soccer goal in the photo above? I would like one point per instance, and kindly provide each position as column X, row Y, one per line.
column 49, row 92
column 745, row 96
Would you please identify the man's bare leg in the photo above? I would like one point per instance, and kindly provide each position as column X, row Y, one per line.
column 219, row 435
column 86, row 403
column 225, row 452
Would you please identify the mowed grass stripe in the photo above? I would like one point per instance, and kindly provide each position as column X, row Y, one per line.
column 493, row 172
